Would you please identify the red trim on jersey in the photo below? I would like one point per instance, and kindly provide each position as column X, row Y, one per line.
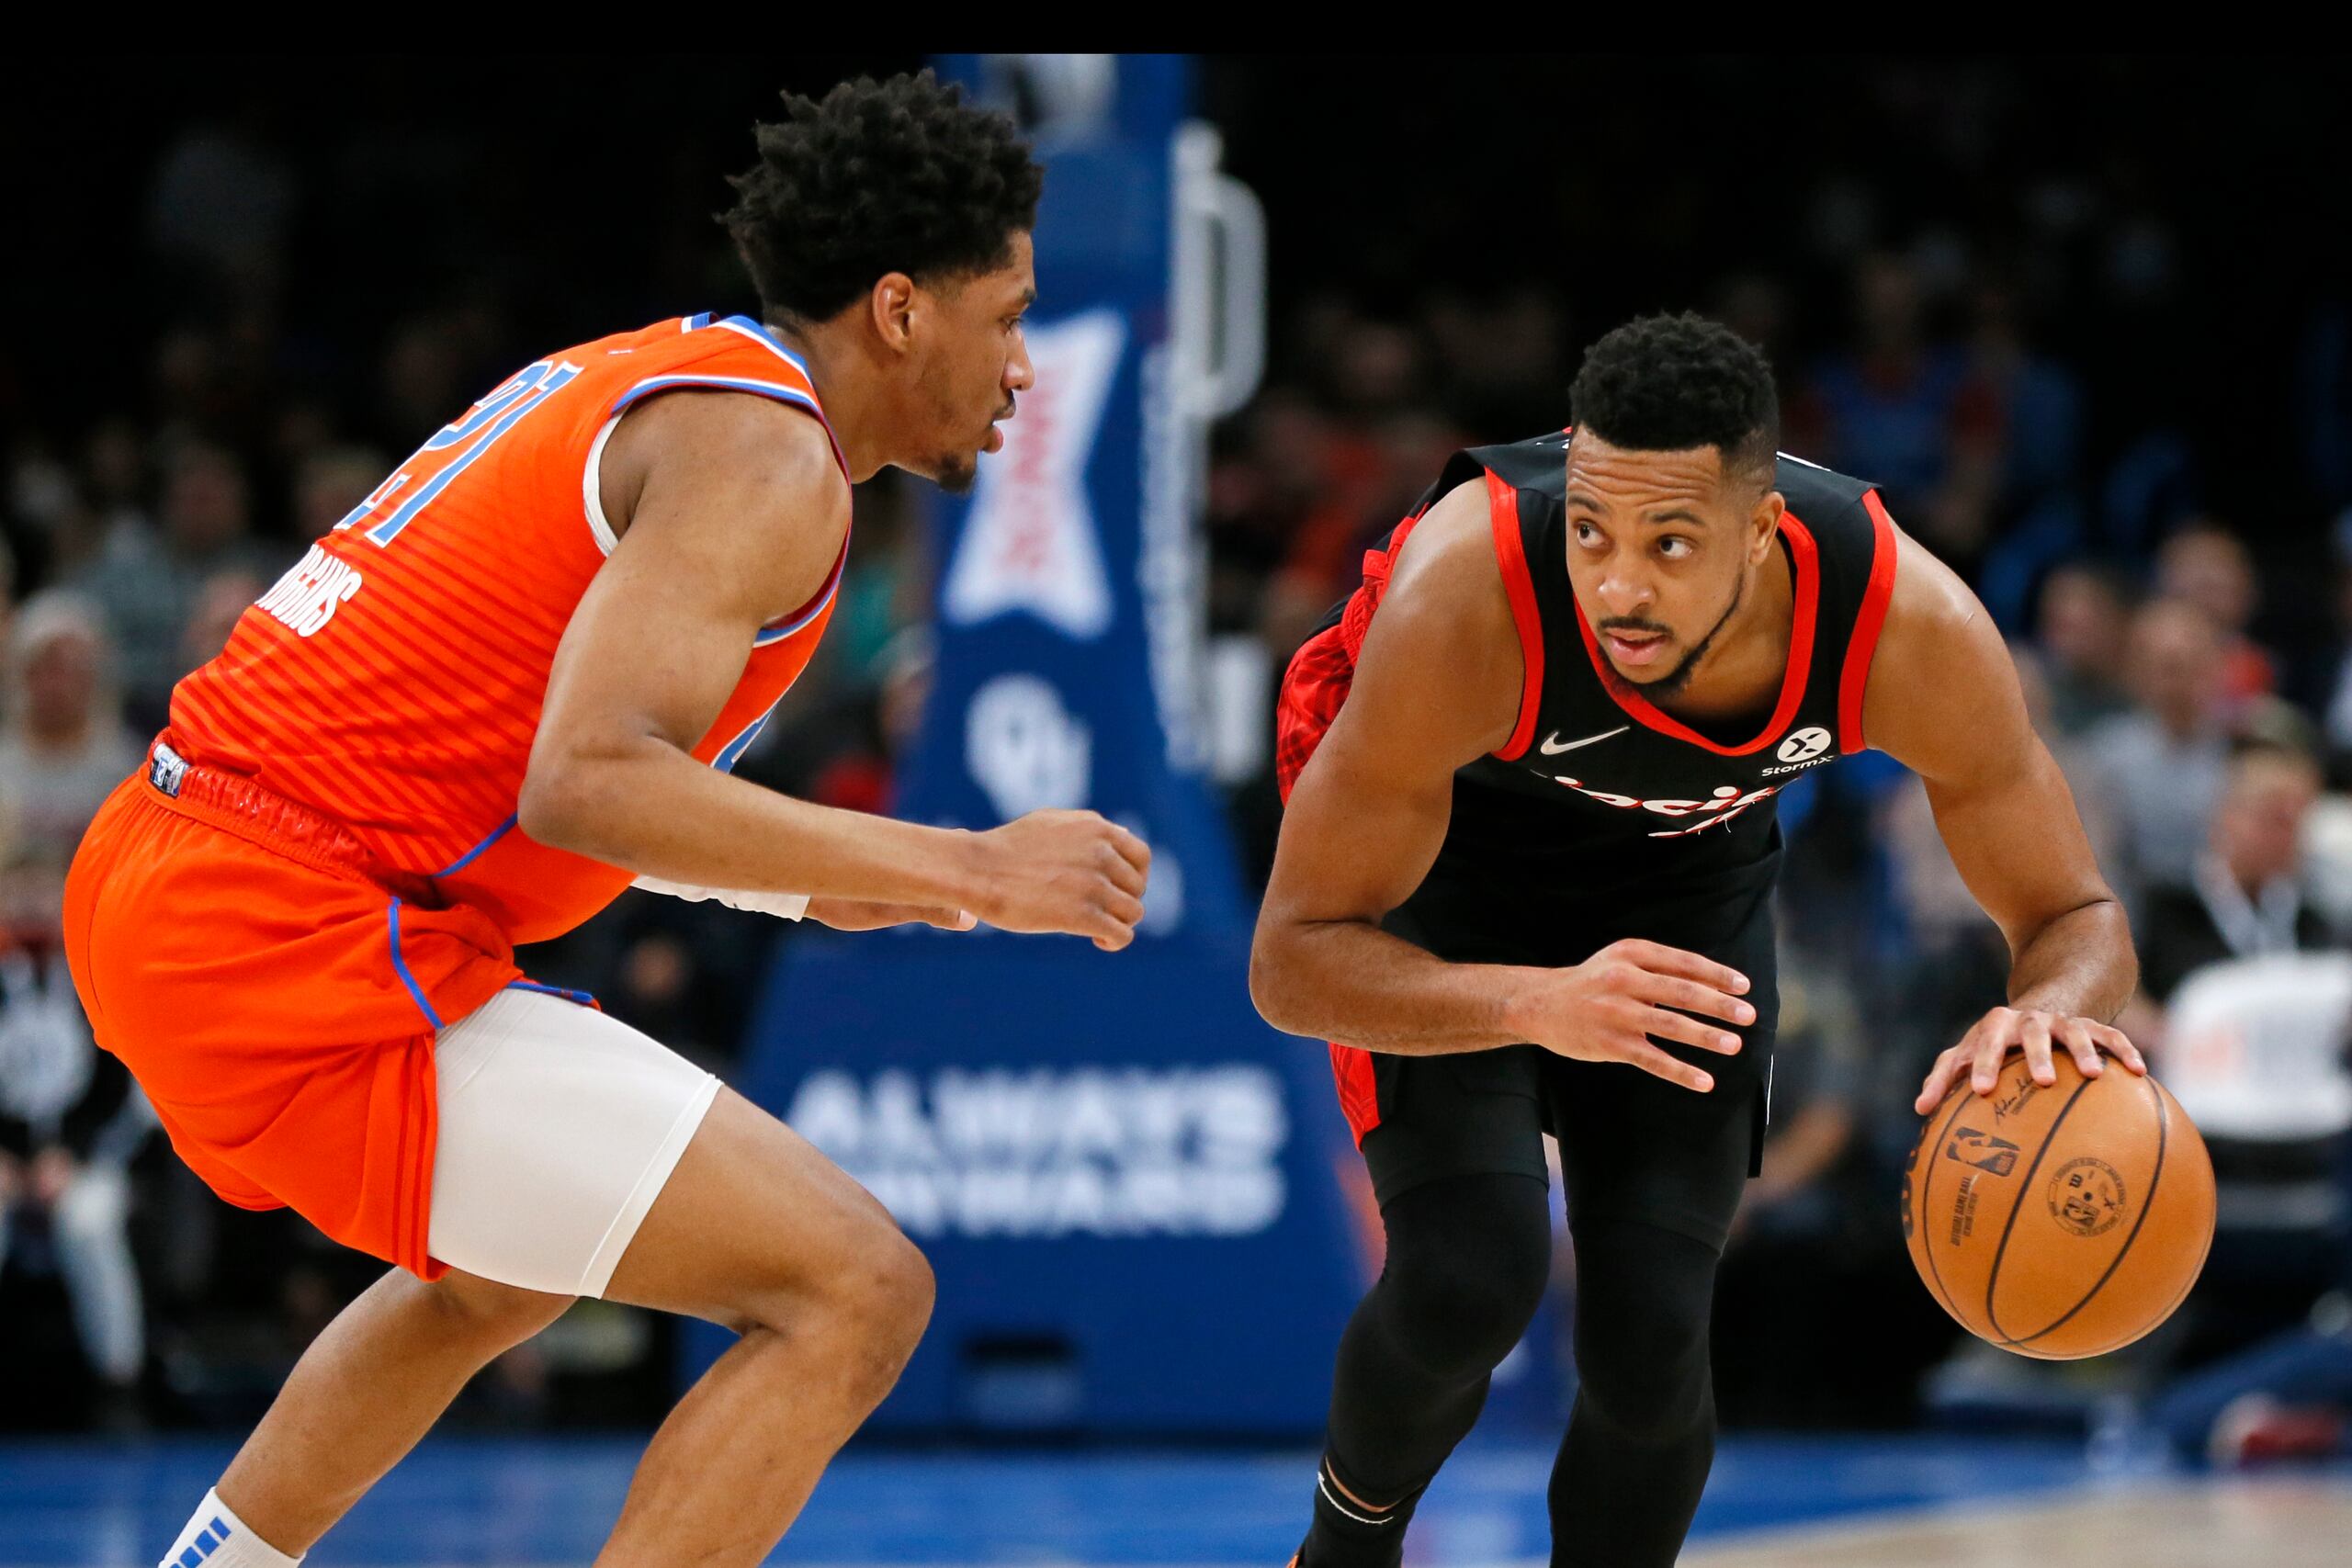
column 1808, row 594
column 1502, row 515
column 1359, row 1091
column 1856, row 674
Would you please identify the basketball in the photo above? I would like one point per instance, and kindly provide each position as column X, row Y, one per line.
column 2062, row 1221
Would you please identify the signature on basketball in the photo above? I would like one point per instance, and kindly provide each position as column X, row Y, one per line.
column 2010, row 1104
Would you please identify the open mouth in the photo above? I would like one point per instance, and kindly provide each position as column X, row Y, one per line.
column 1635, row 648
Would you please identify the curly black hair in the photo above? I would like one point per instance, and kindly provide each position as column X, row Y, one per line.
column 1671, row 383
column 901, row 176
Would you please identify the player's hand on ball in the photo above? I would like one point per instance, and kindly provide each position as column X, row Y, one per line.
column 1064, row 871
column 1606, row 1008
column 864, row 915
column 1981, row 1052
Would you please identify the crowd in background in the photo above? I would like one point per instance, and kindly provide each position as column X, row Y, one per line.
column 1985, row 325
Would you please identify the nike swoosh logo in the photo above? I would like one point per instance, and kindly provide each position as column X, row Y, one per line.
column 1551, row 750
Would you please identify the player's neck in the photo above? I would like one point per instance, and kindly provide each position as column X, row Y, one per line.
column 1742, row 671
column 855, row 400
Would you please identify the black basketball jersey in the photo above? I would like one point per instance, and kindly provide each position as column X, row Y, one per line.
column 1599, row 786
column 1600, row 801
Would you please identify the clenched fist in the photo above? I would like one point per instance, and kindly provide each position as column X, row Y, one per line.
column 1064, row 871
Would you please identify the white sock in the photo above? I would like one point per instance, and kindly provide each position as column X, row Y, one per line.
column 216, row 1537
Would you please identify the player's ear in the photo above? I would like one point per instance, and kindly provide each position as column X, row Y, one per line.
column 1764, row 522
column 892, row 306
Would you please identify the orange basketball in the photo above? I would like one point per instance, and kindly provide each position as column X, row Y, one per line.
column 2061, row 1222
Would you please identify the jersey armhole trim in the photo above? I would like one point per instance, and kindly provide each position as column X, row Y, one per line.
column 592, row 489
column 1510, row 554
column 1854, row 679
column 591, row 477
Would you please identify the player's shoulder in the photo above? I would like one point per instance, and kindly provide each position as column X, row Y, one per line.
column 741, row 453
column 1813, row 490
column 1540, row 463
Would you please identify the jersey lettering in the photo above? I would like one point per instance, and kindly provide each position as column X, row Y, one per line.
column 306, row 597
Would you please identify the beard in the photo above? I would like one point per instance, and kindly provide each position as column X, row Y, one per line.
column 955, row 474
column 1675, row 679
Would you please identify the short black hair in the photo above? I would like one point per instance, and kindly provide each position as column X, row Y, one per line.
column 1671, row 383
column 901, row 176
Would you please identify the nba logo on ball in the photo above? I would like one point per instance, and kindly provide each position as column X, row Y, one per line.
column 2075, row 1229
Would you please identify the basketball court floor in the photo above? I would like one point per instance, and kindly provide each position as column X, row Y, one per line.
column 1773, row 1503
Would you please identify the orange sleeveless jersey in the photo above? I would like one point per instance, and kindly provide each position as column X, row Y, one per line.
column 392, row 680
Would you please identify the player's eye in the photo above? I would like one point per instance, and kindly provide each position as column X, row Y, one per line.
column 1586, row 534
column 1674, row 547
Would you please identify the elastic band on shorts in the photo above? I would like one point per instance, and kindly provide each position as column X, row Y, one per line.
column 649, row 1183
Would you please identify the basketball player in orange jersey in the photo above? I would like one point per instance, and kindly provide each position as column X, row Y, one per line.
column 511, row 683
column 1525, row 875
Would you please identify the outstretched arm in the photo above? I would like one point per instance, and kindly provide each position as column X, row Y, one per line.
column 730, row 515
column 1943, row 700
column 1437, row 686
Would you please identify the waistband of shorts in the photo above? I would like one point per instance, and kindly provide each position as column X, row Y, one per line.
column 238, row 806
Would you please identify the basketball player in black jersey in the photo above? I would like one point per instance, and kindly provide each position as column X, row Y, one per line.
column 1525, row 875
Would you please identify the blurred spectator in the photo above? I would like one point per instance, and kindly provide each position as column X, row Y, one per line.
column 220, row 600
column 330, row 483
column 70, row 1122
column 1887, row 411
column 63, row 746
column 2206, row 565
column 147, row 582
column 2162, row 763
column 2080, row 633
column 2244, row 894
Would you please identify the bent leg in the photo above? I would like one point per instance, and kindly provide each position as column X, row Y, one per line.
column 1642, row 1436
column 1468, row 1258
column 369, row 1386
column 758, row 1231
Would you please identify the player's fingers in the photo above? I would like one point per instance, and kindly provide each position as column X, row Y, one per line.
column 1122, row 905
column 1660, row 959
column 1113, row 863
column 1941, row 1078
column 2074, row 1033
column 1673, row 1070
column 1689, row 1031
column 1989, row 1047
column 2033, row 1034
column 1110, row 917
column 1665, row 990
column 1131, row 848
column 2118, row 1045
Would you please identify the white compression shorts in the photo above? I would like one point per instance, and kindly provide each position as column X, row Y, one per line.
column 558, row 1126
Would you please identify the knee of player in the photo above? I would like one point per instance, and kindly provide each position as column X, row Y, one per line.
column 1468, row 1317
column 873, row 1310
column 492, row 1317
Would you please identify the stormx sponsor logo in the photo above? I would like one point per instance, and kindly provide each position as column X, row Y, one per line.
column 1807, row 748
column 1044, row 1152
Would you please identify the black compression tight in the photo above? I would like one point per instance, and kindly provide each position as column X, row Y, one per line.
column 1468, row 1259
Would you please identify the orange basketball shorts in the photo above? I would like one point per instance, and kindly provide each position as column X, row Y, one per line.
column 276, row 994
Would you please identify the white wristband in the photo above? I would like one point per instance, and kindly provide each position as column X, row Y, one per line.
column 783, row 906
